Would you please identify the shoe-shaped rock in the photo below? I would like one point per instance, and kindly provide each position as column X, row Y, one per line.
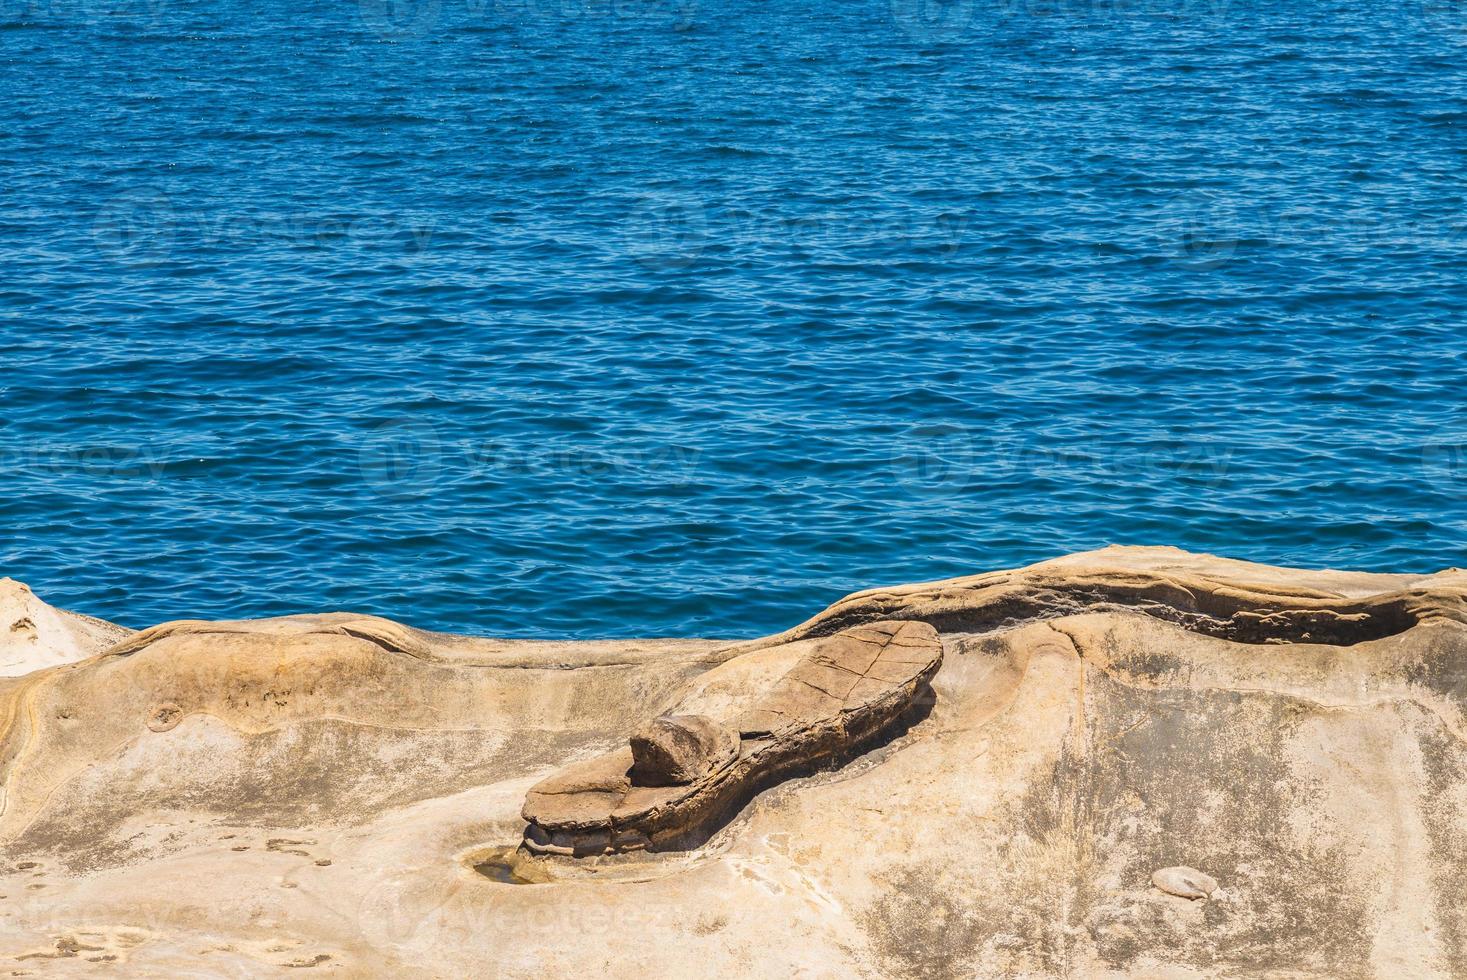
column 683, row 774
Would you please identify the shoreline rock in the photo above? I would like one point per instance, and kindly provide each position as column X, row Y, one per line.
column 34, row 635
column 355, row 788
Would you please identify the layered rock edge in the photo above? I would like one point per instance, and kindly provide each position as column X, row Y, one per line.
column 1137, row 763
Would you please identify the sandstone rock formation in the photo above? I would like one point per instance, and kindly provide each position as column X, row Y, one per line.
column 1185, row 882
column 343, row 794
column 34, row 635
column 845, row 693
column 675, row 750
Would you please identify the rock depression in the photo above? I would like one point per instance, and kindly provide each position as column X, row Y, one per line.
column 1128, row 763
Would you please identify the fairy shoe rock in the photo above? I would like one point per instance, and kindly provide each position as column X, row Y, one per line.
column 681, row 775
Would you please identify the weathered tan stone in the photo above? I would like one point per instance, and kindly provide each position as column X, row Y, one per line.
column 340, row 794
column 34, row 635
column 793, row 725
column 673, row 750
column 1184, row 882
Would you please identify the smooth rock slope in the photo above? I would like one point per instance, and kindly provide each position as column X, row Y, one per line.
column 34, row 635
column 1134, row 763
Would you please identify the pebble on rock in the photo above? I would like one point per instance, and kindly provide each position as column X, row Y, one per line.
column 1184, row 882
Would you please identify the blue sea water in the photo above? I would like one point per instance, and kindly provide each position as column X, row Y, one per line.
column 687, row 317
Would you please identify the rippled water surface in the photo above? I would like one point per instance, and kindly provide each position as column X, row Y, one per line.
column 633, row 317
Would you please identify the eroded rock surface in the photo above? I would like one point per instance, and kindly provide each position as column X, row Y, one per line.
column 34, row 635
column 353, row 788
column 843, row 695
column 1185, row 882
column 675, row 750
